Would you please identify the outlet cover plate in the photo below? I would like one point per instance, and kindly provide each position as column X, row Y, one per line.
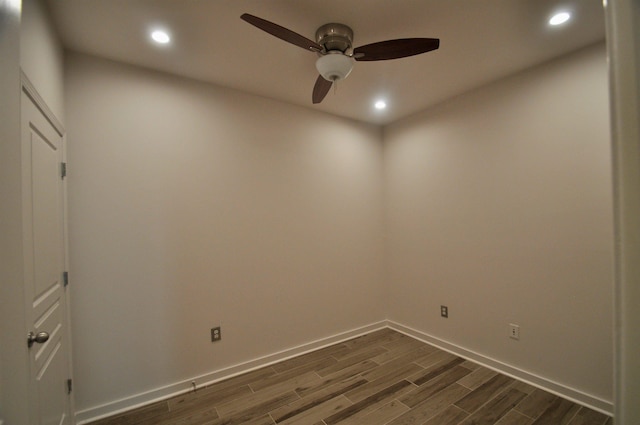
column 514, row 331
column 444, row 311
column 216, row 334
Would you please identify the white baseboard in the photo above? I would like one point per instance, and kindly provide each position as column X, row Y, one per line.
column 548, row 385
column 177, row 388
column 142, row 399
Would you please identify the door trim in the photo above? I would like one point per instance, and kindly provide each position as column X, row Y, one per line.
column 30, row 90
column 623, row 40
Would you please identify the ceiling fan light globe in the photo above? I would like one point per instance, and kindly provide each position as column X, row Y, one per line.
column 334, row 66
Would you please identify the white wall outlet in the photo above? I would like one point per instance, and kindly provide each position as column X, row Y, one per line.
column 514, row 331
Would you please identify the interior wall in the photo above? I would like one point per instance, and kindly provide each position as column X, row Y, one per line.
column 41, row 55
column 192, row 206
column 13, row 351
column 499, row 206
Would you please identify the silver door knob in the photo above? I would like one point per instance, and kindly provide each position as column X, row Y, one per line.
column 40, row 338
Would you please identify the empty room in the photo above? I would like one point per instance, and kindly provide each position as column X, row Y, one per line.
column 315, row 213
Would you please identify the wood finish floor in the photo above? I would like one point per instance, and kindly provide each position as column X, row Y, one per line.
column 380, row 378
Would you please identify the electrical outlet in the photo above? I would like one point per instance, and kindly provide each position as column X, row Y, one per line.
column 216, row 334
column 444, row 311
column 514, row 331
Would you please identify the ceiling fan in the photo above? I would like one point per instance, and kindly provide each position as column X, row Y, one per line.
column 334, row 47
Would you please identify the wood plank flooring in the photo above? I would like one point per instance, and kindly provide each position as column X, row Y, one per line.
column 382, row 378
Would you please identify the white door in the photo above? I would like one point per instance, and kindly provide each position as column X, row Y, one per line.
column 44, row 256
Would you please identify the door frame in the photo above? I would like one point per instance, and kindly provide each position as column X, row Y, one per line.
column 623, row 44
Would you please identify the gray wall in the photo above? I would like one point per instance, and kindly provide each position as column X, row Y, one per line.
column 41, row 55
column 13, row 351
column 499, row 206
column 192, row 206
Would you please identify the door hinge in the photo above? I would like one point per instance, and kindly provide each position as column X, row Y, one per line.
column 69, row 386
column 65, row 279
column 63, row 169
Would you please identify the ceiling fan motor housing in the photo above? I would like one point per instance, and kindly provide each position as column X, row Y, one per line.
column 335, row 37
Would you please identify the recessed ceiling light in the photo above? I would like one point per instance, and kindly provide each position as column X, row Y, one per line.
column 559, row 18
column 160, row 37
column 380, row 104
column 14, row 4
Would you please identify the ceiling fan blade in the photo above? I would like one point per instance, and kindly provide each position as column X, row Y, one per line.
column 282, row 33
column 395, row 49
column 320, row 89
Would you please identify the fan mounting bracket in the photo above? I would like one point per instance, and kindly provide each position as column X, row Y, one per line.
column 335, row 37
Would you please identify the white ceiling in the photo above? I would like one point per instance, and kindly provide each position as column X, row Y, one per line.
column 480, row 41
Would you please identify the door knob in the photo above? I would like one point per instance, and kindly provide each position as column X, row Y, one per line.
column 40, row 338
